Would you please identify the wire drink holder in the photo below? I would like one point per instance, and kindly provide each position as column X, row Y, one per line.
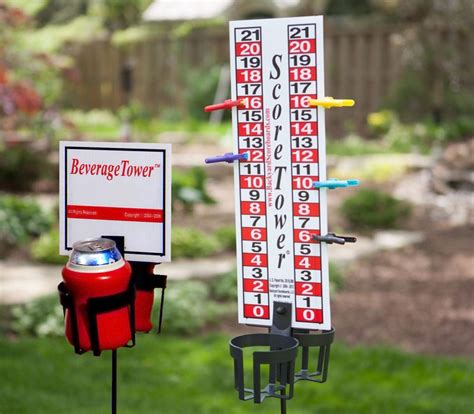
column 321, row 341
column 282, row 344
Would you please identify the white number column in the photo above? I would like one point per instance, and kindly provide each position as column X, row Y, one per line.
column 248, row 51
column 305, row 170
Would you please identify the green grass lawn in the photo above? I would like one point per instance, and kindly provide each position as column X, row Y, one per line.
column 176, row 375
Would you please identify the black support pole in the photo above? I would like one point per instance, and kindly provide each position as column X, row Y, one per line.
column 114, row 381
column 283, row 402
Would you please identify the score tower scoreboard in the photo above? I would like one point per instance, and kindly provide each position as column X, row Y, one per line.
column 277, row 66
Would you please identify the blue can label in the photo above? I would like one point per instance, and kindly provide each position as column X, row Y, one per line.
column 95, row 252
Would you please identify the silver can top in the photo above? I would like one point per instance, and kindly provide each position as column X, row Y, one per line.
column 94, row 252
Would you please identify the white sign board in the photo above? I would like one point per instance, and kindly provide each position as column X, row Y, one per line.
column 117, row 189
column 276, row 67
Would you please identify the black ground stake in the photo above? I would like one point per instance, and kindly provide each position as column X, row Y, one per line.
column 114, row 381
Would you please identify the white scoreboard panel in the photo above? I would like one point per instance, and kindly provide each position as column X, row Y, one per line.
column 277, row 66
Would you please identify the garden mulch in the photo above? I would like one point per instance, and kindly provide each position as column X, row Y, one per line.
column 419, row 297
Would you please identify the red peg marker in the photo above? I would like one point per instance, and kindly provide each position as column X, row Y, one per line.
column 227, row 104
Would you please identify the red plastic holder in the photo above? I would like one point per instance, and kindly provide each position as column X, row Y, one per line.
column 99, row 309
column 146, row 282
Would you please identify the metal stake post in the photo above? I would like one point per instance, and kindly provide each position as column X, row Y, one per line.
column 282, row 326
column 114, row 381
column 282, row 402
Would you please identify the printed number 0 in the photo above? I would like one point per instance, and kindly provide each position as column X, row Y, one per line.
column 308, row 314
column 258, row 311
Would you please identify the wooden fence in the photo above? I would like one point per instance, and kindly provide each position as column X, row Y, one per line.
column 362, row 62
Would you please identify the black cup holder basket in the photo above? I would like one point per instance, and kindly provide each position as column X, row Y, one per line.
column 280, row 356
column 96, row 306
column 308, row 341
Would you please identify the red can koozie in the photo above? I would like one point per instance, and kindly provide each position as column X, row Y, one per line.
column 96, row 269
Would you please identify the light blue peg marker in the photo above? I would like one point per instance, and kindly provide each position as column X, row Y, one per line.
column 229, row 158
column 332, row 183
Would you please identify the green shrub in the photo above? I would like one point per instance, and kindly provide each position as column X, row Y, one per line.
column 184, row 307
column 40, row 317
column 189, row 188
column 372, row 209
column 192, row 243
column 381, row 122
column 201, row 90
column 46, row 249
column 136, row 114
column 226, row 237
column 21, row 219
column 188, row 308
column 397, row 136
column 224, row 287
column 20, row 168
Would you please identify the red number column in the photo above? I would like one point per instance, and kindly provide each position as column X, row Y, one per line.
column 305, row 170
column 249, row 83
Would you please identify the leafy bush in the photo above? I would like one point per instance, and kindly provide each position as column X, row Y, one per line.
column 372, row 209
column 136, row 114
column 226, row 237
column 184, row 310
column 189, row 188
column 31, row 80
column 40, row 317
column 45, row 249
column 192, row 243
column 380, row 122
column 397, row 136
column 200, row 91
column 224, row 287
column 21, row 219
column 188, row 308
column 20, row 168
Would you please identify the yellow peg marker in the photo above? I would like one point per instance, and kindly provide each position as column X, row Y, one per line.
column 329, row 102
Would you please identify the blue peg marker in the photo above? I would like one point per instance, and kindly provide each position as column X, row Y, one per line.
column 229, row 158
column 332, row 183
